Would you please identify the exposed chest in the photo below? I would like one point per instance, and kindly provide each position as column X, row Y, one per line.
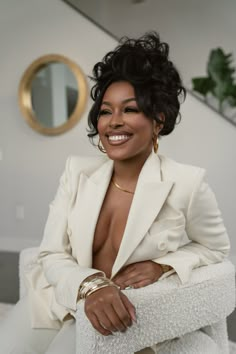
column 112, row 221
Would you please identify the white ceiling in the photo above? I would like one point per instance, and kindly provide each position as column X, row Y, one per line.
column 192, row 28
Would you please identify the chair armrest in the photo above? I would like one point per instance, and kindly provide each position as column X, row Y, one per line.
column 165, row 310
column 27, row 258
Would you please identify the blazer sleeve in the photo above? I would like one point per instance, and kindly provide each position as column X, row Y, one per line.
column 209, row 242
column 61, row 270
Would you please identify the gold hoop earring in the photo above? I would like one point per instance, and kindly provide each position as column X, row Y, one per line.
column 100, row 147
column 155, row 144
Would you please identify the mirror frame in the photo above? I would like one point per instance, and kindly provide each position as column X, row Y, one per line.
column 25, row 97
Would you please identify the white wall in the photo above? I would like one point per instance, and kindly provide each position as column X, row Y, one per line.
column 191, row 27
column 32, row 163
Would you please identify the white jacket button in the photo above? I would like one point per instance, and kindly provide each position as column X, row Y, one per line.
column 162, row 245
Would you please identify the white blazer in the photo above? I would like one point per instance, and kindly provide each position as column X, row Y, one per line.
column 174, row 219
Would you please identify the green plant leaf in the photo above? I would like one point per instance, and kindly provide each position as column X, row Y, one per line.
column 220, row 80
column 220, row 91
column 203, row 85
column 220, row 71
column 232, row 96
column 218, row 66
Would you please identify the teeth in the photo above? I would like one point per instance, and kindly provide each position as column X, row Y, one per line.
column 118, row 137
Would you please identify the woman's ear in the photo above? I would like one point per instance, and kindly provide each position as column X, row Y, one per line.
column 162, row 117
column 157, row 127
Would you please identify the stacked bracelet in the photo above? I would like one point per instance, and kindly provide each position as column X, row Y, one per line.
column 88, row 287
column 165, row 268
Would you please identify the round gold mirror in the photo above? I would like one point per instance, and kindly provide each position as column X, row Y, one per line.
column 52, row 94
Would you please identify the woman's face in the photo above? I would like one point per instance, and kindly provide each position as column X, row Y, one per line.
column 124, row 130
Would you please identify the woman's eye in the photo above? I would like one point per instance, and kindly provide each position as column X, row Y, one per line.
column 131, row 110
column 104, row 112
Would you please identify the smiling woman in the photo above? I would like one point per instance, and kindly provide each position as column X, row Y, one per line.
column 123, row 128
column 124, row 221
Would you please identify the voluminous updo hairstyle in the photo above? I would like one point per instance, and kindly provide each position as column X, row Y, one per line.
column 145, row 64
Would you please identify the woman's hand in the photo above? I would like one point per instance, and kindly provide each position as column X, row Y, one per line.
column 138, row 275
column 109, row 310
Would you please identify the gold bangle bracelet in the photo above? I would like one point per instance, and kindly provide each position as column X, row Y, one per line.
column 100, row 287
column 89, row 286
column 165, row 268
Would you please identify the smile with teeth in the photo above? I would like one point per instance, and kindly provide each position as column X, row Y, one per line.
column 118, row 137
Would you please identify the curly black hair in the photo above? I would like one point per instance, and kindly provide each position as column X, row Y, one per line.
column 145, row 64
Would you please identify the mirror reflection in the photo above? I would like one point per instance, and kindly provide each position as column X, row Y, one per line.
column 54, row 93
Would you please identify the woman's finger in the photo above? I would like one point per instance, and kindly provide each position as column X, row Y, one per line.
column 122, row 317
column 116, row 319
column 129, row 268
column 134, row 277
column 141, row 271
column 105, row 319
column 142, row 283
column 123, row 314
column 124, row 277
column 98, row 326
column 129, row 307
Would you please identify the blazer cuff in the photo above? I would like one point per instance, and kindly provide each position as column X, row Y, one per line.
column 182, row 265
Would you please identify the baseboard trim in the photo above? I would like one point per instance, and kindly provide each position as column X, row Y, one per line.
column 16, row 244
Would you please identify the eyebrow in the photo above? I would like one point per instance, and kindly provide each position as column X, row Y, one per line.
column 124, row 101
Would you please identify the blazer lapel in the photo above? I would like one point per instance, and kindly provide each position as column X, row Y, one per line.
column 149, row 197
column 91, row 188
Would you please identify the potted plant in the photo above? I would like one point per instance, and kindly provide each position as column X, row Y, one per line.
column 219, row 82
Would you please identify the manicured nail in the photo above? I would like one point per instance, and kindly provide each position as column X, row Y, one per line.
column 133, row 315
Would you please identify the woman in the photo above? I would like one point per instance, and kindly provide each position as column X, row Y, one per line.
column 126, row 220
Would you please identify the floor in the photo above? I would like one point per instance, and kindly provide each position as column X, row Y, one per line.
column 9, row 287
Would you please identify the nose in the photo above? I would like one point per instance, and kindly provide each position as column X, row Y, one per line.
column 116, row 120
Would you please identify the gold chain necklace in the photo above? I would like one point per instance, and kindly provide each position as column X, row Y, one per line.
column 119, row 187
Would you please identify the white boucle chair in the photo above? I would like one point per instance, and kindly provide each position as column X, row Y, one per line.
column 165, row 310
